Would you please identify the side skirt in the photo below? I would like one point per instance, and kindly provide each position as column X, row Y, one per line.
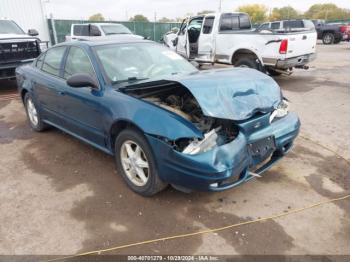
column 80, row 138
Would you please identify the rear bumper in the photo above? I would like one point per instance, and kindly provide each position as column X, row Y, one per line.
column 295, row 61
column 7, row 70
column 226, row 166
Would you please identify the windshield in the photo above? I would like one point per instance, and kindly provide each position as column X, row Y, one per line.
column 10, row 27
column 136, row 61
column 115, row 29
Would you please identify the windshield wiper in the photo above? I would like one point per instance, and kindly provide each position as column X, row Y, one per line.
column 129, row 80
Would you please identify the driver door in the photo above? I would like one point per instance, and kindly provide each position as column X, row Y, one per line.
column 206, row 41
column 84, row 106
column 182, row 46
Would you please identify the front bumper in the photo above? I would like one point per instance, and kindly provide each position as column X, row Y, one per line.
column 295, row 61
column 228, row 165
column 7, row 70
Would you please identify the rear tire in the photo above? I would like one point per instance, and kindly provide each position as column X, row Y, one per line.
column 248, row 62
column 337, row 41
column 138, row 170
column 328, row 39
column 33, row 114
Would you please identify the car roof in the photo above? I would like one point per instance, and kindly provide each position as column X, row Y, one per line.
column 105, row 41
column 98, row 24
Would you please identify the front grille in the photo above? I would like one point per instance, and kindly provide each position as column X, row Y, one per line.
column 17, row 51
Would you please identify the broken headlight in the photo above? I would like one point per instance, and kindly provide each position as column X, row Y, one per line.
column 281, row 111
column 209, row 142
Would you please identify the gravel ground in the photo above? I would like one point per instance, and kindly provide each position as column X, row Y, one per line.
column 59, row 196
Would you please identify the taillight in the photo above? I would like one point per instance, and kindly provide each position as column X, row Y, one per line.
column 284, row 46
column 342, row 28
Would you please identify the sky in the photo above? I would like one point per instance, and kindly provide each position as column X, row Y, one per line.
column 124, row 9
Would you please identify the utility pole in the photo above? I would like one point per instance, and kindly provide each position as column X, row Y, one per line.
column 154, row 26
column 220, row 4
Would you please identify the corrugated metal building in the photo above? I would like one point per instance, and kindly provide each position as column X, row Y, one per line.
column 28, row 14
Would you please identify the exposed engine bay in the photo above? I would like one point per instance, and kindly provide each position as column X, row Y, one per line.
column 177, row 99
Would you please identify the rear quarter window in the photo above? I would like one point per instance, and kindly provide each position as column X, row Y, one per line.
column 229, row 22
column 39, row 61
column 244, row 22
column 293, row 24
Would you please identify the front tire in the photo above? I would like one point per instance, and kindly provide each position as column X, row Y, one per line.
column 328, row 39
column 33, row 114
column 136, row 163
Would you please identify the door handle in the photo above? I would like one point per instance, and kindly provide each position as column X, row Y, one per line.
column 304, row 37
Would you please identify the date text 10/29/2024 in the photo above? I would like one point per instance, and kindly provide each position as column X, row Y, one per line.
column 173, row 258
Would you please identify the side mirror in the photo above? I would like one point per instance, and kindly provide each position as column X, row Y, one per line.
column 33, row 32
column 94, row 31
column 82, row 80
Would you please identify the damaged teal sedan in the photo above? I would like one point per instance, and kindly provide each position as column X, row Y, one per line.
column 164, row 121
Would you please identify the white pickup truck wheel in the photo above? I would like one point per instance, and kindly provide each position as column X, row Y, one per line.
column 248, row 62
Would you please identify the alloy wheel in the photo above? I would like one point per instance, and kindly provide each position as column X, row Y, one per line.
column 135, row 163
column 32, row 112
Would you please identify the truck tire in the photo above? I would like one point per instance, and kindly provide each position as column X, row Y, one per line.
column 328, row 38
column 337, row 41
column 249, row 62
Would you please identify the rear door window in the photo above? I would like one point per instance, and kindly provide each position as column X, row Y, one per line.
column 53, row 59
column 208, row 25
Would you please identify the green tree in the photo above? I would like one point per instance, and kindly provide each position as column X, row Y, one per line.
column 327, row 11
column 204, row 12
column 96, row 17
column 256, row 12
column 165, row 20
column 284, row 13
column 139, row 18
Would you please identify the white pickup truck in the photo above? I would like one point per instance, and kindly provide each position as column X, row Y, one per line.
column 229, row 38
column 94, row 31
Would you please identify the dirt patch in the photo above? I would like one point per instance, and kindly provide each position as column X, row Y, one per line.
column 13, row 131
column 114, row 215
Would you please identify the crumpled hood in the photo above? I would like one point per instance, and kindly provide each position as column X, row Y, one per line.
column 234, row 93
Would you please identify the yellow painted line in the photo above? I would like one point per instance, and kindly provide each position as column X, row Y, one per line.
column 212, row 230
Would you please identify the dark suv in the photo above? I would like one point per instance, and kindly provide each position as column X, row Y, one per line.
column 328, row 33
